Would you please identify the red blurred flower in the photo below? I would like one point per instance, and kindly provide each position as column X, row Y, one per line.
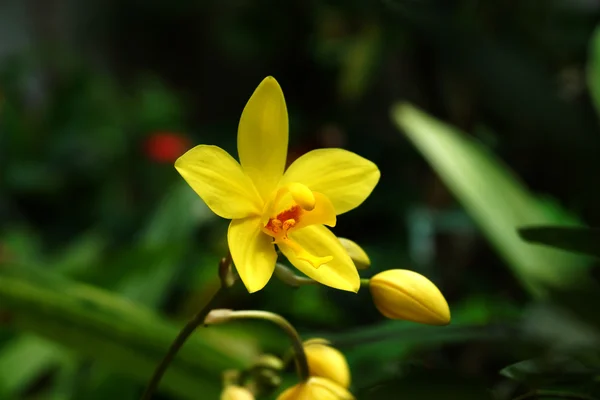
column 166, row 147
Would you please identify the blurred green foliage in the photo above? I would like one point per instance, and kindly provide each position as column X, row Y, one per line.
column 496, row 200
column 105, row 252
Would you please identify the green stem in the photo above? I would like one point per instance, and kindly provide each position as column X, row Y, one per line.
column 288, row 277
column 221, row 316
column 185, row 333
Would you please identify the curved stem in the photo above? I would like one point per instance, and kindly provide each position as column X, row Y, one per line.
column 185, row 333
column 288, row 277
column 300, row 356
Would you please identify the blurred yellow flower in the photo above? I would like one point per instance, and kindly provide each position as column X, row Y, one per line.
column 268, row 206
column 327, row 362
column 407, row 295
column 234, row 392
column 316, row 388
column 357, row 254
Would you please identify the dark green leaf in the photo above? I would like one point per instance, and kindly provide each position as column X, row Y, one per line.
column 536, row 372
column 496, row 200
column 428, row 385
column 578, row 240
column 593, row 70
column 110, row 329
column 23, row 359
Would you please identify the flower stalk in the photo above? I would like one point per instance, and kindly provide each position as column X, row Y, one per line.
column 288, row 277
column 222, row 316
column 217, row 298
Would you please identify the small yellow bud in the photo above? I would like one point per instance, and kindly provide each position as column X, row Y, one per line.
column 357, row 254
column 326, row 362
column 316, row 388
column 266, row 372
column 269, row 361
column 317, row 341
column 236, row 393
column 407, row 295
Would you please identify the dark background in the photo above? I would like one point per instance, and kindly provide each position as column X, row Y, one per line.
column 98, row 98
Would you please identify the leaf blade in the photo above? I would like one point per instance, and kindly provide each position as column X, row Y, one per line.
column 577, row 240
column 497, row 201
column 129, row 338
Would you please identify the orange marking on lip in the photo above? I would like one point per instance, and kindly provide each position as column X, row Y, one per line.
column 284, row 220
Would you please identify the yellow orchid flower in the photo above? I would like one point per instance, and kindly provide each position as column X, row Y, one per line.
column 269, row 207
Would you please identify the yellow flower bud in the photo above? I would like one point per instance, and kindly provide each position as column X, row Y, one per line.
column 327, row 362
column 234, row 392
column 357, row 254
column 269, row 361
column 407, row 295
column 316, row 388
column 266, row 372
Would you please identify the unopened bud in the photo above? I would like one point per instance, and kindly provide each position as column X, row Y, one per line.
column 316, row 388
column 266, row 372
column 236, row 393
column 407, row 295
column 327, row 362
column 269, row 361
column 267, row 379
column 317, row 341
column 227, row 273
column 231, row 377
column 357, row 254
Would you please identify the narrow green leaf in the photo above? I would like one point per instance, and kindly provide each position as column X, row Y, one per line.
column 179, row 213
column 496, row 200
column 80, row 254
column 66, row 380
column 427, row 384
column 577, row 240
column 145, row 273
column 22, row 360
column 359, row 63
column 473, row 319
column 127, row 337
column 593, row 69
column 536, row 372
column 375, row 351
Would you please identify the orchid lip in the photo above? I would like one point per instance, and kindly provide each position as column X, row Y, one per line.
column 281, row 225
